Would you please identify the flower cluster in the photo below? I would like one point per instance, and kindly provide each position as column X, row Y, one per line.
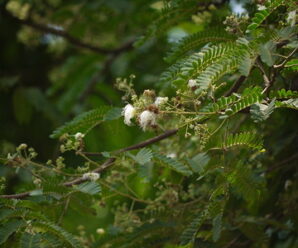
column 92, row 176
column 145, row 110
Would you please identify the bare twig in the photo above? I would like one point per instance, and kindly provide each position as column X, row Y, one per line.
column 286, row 59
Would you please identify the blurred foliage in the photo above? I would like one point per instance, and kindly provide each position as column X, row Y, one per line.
column 223, row 91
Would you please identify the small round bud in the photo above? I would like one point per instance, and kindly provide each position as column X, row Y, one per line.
column 22, row 146
column 100, row 230
column 79, row 136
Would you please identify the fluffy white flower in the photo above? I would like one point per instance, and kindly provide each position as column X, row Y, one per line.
column 291, row 19
column 192, row 83
column 128, row 112
column 147, row 118
column 160, row 100
column 261, row 7
column 172, row 155
column 79, row 136
column 100, row 230
column 92, row 176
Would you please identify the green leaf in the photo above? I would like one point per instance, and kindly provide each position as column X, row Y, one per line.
column 251, row 140
column 261, row 112
column 113, row 114
column 90, row 188
column 4, row 213
column 260, row 16
column 217, row 226
column 189, row 234
column 246, row 64
column 196, row 41
column 63, row 235
column 291, row 103
column 198, row 162
column 29, row 240
column 9, row 228
column 84, row 122
column 143, row 156
column 245, row 183
column 283, row 94
column 266, row 53
column 174, row 164
column 292, row 64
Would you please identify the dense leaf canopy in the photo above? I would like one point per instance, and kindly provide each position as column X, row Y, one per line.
column 147, row 123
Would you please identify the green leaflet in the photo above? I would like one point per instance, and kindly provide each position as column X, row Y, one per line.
column 292, row 64
column 291, row 103
column 266, row 52
column 260, row 16
column 283, row 94
column 29, row 240
column 174, row 164
column 4, row 213
column 194, row 65
column 143, row 156
column 198, row 162
column 213, row 209
column 196, row 41
column 88, row 120
column 51, row 240
column 248, row 139
column 63, row 235
column 90, row 188
column 171, row 14
column 235, row 103
column 244, row 183
column 189, row 234
column 216, row 227
column 246, row 64
column 261, row 112
column 9, row 228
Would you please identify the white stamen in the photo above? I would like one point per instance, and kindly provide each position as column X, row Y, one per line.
column 192, row 83
column 92, row 176
column 128, row 112
column 147, row 118
column 160, row 100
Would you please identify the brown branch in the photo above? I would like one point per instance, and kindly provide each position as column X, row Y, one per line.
column 73, row 40
column 236, row 86
column 105, row 165
column 148, row 142
column 100, row 169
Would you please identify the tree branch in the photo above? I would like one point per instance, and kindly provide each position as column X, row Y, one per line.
column 105, row 165
column 148, row 142
column 236, row 86
column 62, row 33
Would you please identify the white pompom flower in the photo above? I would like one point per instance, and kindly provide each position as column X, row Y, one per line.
column 92, row 176
column 147, row 119
column 128, row 112
column 79, row 136
column 160, row 100
column 261, row 7
column 192, row 83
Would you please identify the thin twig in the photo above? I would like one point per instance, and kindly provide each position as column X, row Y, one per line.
column 105, row 165
column 148, row 142
column 286, row 59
